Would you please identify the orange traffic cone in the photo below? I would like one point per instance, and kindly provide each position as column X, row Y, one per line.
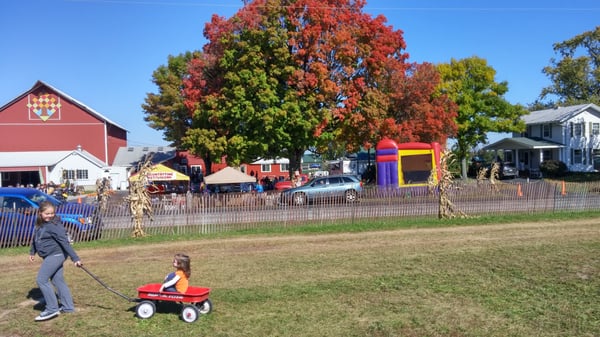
column 563, row 190
column 519, row 191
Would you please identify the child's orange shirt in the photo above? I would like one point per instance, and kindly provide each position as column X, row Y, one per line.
column 183, row 282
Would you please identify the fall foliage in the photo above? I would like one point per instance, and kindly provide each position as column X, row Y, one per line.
column 280, row 77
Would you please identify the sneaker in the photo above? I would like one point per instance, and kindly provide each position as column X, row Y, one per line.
column 45, row 315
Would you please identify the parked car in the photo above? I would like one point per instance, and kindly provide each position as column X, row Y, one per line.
column 18, row 214
column 285, row 184
column 318, row 189
column 507, row 171
column 477, row 163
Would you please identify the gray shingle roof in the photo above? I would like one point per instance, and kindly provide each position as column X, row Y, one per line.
column 522, row 143
column 558, row 114
column 130, row 156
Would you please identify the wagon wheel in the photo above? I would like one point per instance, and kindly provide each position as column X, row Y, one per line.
column 145, row 309
column 205, row 307
column 350, row 195
column 299, row 199
column 189, row 313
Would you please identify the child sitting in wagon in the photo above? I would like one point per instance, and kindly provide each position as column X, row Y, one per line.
column 178, row 280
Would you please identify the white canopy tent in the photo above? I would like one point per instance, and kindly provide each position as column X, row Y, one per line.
column 228, row 175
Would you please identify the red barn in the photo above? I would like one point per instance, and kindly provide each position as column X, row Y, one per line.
column 45, row 119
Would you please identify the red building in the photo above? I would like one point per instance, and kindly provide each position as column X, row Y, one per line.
column 46, row 119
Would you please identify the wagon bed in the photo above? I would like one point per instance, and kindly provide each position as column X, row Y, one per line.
column 192, row 295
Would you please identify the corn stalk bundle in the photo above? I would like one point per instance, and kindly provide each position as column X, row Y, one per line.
column 102, row 193
column 494, row 175
column 481, row 175
column 446, row 209
column 139, row 199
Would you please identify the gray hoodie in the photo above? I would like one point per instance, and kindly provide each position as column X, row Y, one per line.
column 51, row 239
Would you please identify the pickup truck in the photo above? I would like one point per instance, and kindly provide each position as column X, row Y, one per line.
column 18, row 213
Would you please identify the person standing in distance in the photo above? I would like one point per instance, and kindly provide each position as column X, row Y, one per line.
column 50, row 242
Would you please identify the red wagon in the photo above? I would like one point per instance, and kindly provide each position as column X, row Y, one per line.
column 194, row 301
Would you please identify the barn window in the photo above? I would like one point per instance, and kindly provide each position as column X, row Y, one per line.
column 284, row 167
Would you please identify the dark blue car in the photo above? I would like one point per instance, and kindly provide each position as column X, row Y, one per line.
column 18, row 214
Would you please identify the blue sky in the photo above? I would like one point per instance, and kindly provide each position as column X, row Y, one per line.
column 103, row 52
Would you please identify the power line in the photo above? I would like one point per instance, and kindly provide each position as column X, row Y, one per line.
column 391, row 8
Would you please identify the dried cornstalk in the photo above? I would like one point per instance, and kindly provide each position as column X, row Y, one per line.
column 103, row 191
column 446, row 208
column 139, row 199
column 481, row 175
column 494, row 175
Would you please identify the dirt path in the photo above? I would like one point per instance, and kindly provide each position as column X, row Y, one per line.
column 421, row 238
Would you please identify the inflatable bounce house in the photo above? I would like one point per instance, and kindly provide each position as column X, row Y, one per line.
column 406, row 164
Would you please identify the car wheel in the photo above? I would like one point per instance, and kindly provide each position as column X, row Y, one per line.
column 299, row 199
column 350, row 196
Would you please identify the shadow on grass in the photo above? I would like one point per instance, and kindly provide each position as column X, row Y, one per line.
column 36, row 295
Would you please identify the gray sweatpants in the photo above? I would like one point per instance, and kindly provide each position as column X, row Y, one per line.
column 51, row 273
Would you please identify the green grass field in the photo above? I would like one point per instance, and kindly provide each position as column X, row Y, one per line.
column 536, row 275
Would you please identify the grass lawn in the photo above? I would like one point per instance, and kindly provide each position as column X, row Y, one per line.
column 522, row 276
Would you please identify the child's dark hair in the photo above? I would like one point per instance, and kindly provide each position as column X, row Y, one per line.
column 183, row 263
column 44, row 206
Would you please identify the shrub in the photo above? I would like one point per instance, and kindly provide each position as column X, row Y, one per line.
column 553, row 168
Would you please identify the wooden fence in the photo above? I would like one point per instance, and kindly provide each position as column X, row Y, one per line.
column 203, row 214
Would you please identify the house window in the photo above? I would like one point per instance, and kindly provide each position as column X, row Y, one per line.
column 75, row 174
column 547, row 155
column 196, row 169
column 284, row 167
column 82, row 174
column 577, row 156
column 196, row 173
column 547, row 131
column 265, row 167
column 68, row 174
column 595, row 129
column 577, row 130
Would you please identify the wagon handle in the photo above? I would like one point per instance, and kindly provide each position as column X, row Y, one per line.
column 105, row 285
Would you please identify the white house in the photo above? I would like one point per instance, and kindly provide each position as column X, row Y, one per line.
column 569, row 134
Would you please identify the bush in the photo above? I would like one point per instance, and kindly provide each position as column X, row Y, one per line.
column 553, row 168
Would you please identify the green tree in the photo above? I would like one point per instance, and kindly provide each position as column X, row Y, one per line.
column 165, row 110
column 575, row 75
column 281, row 77
column 470, row 83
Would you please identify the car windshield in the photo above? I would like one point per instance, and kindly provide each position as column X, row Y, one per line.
column 39, row 197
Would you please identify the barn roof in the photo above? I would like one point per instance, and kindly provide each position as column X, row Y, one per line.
column 69, row 98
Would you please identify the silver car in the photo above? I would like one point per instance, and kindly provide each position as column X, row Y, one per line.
column 346, row 187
